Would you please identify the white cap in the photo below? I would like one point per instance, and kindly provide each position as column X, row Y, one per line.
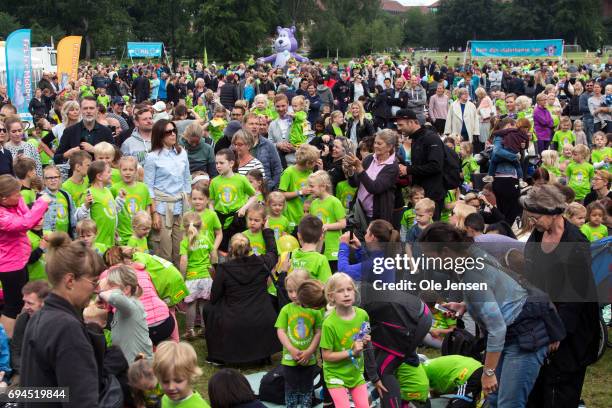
column 159, row 106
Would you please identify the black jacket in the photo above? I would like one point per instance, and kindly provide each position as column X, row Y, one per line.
column 362, row 131
column 72, row 138
column 57, row 351
column 341, row 91
column 141, row 88
column 6, row 162
column 240, row 319
column 383, row 188
column 427, row 163
column 37, row 108
column 228, row 95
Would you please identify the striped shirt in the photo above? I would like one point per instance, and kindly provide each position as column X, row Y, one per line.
column 252, row 164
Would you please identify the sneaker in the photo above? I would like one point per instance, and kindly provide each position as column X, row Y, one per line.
column 487, row 179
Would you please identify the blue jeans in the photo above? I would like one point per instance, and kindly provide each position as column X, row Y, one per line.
column 588, row 126
column 516, row 373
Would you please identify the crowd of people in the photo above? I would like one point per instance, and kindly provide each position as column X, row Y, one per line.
column 255, row 200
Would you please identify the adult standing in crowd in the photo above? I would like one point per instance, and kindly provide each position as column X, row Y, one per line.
column 600, row 187
column 587, row 117
column 6, row 157
column 314, row 103
column 116, row 112
column 278, row 131
column 416, row 97
column 167, row 176
column 85, row 134
column 57, row 348
column 141, row 87
column 200, row 154
column 543, row 123
column 16, row 144
column 462, row 117
column 264, row 150
column 228, row 94
column 427, row 158
column 240, row 305
column 558, row 261
column 375, row 177
column 438, row 108
column 137, row 141
column 37, row 107
column 358, row 126
column 600, row 112
column 15, row 221
column 242, row 143
column 486, row 112
column 71, row 115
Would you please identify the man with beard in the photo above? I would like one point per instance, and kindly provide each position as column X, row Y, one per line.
column 138, row 141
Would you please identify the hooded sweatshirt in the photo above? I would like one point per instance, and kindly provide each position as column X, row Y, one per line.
column 136, row 146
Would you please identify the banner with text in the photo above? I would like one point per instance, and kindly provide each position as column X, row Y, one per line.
column 517, row 48
column 68, row 50
column 19, row 70
column 144, row 49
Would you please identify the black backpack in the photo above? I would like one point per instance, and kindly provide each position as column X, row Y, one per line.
column 463, row 343
column 272, row 385
column 451, row 171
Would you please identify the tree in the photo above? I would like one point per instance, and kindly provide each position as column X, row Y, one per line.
column 8, row 24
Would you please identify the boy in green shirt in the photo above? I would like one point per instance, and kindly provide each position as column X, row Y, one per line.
column 564, row 135
column 345, row 193
column 103, row 99
column 294, row 182
column 78, row 184
column 413, row 382
column 137, row 197
column 36, row 263
column 308, row 257
column 25, row 171
column 469, row 165
column 455, row 374
column 594, row 229
column 141, row 225
column 579, row 172
column 601, row 156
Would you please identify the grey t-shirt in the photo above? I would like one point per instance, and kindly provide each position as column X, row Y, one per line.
column 129, row 327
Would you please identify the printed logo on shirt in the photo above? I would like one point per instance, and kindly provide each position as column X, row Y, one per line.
column 131, row 203
column 228, row 195
column 257, row 248
column 301, row 334
column 109, row 208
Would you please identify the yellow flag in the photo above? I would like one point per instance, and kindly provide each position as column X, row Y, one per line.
column 68, row 50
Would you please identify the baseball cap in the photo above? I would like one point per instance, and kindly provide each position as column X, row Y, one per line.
column 159, row 106
column 232, row 127
column 118, row 100
column 406, row 114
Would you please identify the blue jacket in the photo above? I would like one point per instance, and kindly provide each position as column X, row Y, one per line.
column 5, row 354
column 363, row 270
column 266, row 153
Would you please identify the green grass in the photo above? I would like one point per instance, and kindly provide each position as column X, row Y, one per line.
column 596, row 392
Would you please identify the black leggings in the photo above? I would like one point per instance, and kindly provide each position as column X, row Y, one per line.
column 12, row 283
column 507, row 193
column 162, row 331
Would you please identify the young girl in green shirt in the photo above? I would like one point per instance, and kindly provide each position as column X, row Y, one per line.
column 141, row 226
column 594, row 229
column 256, row 219
column 195, row 266
column 200, row 202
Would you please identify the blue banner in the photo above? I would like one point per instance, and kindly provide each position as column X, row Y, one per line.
column 144, row 49
column 19, row 70
column 517, row 48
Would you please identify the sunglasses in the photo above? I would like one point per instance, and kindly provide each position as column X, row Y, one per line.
column 169, row 132
column 3, row 130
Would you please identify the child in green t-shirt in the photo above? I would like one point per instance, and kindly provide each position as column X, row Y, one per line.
column 25, row 171
column 309, row 257
column 276, row 221
column 232, row 195
column 103, row 99
column 416, row 194
column 580, row 172
column 256, row 219
column 564, row 135
column 413, row 383
column 176, row 368
column 200, row 108
column 455, row 374
column 601, row 156
column 87, row 231
column 299, row 125
column 61, row 214
column 595, row 229
column 330, row 211
column 576, row 213
column 217, row 124
column 141, row 226
column 78, row 184
column 469, row 165
column 106, row 152
column 343, row 341
column 195, row 266
column 345, row 193
column 137, row 196
column 550, row 162
column 294, row 183
column 261, row 108
column 256, row 178
column 299, row 331
column 200, row 200
column 36, row 262
column 566, row 157
column 103, row 207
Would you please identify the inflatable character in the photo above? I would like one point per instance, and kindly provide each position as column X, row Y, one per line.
column 285, row 46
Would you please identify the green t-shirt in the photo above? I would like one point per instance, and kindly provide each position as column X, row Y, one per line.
column 315, row 263
column 300, row 324
column 195, row 400
column 280, row 226
column 198, row 256
column 210, row 223
column 330, row 210
column 215, row 128
column 36, row 270
column 579, row 177
column 413, row 382
column 446, row 213
column 408, row 218
column 29, row 195
column 115, row 176
column 441, row 322
column 100, row 248
column 168, row 281
column 594, row 233
column 230, row 193
column 500, row 106
column 562, row 137
column 469, row 166
column 552, row 170
column 85, row 90
column 76, row 191
column 345, row 193
column 62, row 215
column 446, row 373
column 293, row 180
column 103, row 100
column 104, row 212
column 138, row 243
column 137, row 198
column 338, row 335
column 200, row 110
column 270, row 112
column 258, row 246
column 599, row 155
column 34, row 141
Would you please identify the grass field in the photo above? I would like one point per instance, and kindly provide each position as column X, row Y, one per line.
column 597, row 392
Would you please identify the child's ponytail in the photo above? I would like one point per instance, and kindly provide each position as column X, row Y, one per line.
column 192, row 224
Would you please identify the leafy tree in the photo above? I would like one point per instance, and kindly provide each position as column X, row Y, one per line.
column 8, row 24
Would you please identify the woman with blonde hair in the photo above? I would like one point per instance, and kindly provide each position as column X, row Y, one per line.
column 486, row 111
column 240, row 304
column 460, row 212
column 358, row 127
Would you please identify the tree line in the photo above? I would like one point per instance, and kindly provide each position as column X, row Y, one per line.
column 235, row 29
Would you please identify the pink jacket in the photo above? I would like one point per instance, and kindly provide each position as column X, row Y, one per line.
column 155, row 308
column 14, row 224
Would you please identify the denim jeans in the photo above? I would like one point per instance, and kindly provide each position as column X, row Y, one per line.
column 588, row 126
column 516, row 373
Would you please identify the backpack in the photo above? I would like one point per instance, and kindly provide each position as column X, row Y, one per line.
column 272, row 385
column 451, row 170
column 463, row 343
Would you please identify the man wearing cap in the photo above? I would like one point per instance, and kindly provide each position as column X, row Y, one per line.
column 226, row 141
column 117, row 105
column 427, row 157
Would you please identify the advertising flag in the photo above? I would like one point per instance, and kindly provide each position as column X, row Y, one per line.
column 68, row 51
column 19, row 70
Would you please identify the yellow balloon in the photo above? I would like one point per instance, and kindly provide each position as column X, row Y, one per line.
column 288, row 243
